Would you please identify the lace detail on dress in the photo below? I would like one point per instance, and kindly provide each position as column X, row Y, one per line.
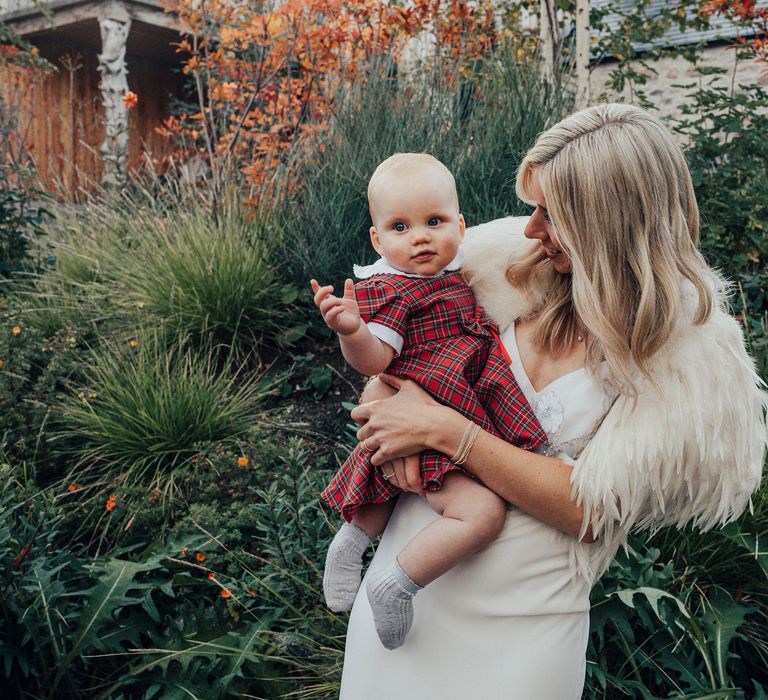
column 573, row 448
column 549, row 412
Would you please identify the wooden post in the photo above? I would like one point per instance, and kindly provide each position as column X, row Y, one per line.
column 582, row 54
column 113, row 85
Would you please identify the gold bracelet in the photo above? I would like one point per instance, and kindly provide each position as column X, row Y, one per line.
column 457, row 456
column 467, row 443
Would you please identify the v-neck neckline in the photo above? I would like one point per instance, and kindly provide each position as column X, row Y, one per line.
column 515, row 348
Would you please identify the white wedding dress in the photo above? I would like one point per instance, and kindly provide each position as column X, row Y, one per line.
column 509, row 623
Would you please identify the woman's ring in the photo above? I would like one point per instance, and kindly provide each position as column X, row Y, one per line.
column 366, row 448
column 388, row 476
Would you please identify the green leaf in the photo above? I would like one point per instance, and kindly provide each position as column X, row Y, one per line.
column 722, row 622
column 116, row 587
column 289, row 293
column 653, row 596
column 737, row 532
column 321, row 379
column 293, row 334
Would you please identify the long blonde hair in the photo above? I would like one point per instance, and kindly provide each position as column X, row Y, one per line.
column 622, row 204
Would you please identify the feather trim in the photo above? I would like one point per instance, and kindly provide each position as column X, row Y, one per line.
column 689, row 449
column 488, row 249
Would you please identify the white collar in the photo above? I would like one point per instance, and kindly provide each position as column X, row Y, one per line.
column 382, row 267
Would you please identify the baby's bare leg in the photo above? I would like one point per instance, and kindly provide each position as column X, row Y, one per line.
column 372, row 518
column 472, row 517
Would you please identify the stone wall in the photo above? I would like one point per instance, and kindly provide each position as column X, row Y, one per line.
column 664, row 89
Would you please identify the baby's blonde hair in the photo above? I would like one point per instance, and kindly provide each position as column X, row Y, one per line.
column 406, row 164
column 623, row 209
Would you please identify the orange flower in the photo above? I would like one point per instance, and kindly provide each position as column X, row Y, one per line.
column 184, row 551
column 200, row 556
column 111, row 503
column 226, row 593
column 2, row 362
column 134, row 343
column 23, row 553
column 211, row 576
column 72, row 488
column 16, row 330
column 243, row 461
column 130, row 99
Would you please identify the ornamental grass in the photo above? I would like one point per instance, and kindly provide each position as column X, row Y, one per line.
column 208, row 276
column 144, row 407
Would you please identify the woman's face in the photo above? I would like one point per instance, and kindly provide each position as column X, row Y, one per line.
column 540, row 228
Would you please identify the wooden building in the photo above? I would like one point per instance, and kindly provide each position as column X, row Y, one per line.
column 74, row 120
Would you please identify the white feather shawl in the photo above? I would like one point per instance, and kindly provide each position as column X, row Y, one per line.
column 692, row 452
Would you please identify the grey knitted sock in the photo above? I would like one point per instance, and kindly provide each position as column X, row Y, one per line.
column 390, row 593
column 343, row 564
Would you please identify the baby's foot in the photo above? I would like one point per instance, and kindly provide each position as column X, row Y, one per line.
column 390, row 593
column 343, row 565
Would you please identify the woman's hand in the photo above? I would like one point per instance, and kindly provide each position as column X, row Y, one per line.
column 399, row 426
column 404, row 473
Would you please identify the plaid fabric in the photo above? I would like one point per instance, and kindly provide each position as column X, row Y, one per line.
column 453, row 350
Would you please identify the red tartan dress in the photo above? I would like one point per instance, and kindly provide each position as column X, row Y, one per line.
column 452, row 349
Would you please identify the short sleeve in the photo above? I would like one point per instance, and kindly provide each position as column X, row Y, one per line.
column 384, row 311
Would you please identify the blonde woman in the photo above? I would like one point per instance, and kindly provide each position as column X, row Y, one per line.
column 619, row 338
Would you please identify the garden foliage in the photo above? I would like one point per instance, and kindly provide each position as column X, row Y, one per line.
column 727, row 151
column 266, row 75
column 163, row 445
column 23, row 205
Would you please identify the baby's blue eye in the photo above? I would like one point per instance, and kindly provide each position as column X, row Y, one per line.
column 434, row 221
column 399, row 227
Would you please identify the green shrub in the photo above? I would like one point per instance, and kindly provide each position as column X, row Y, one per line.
column 727, row 133
column 146, row 404
column 684, row 615
column 76, row 287
column 286, row 575
column 212, row 490
column 149, row 625
column 207, row 276
column 37, row 580
column 22, row 216
column 33, row 378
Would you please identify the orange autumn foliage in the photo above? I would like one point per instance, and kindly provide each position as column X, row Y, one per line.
column 265, row 80
column 745, row 13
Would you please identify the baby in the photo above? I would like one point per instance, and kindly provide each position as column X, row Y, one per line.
column 414, row 315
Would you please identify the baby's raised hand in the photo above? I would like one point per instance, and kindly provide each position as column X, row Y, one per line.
column 341, row 314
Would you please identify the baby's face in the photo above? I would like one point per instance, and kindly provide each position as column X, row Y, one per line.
column 417, row 226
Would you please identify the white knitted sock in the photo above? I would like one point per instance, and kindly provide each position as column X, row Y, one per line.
column 343, row 564
column 390, row 593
